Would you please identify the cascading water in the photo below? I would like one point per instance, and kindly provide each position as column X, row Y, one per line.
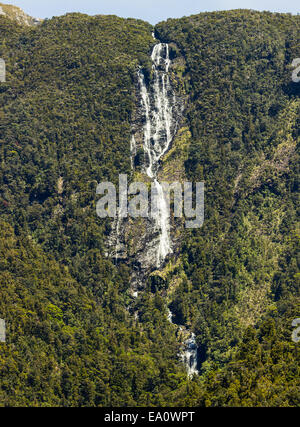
column 159, row 113
column 190, row 355
column 170, row 316
column 153, row 129
column 159, row 130
column 160, row 127
column 189, row 352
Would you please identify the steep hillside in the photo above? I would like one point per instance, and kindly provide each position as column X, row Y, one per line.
column 18, row 15
column 65, row 125
column 240, row 269
column 76, row 334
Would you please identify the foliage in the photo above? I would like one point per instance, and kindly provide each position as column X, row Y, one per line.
column 65, row 120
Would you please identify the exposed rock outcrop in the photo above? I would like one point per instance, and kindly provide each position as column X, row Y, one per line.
column 17, row 14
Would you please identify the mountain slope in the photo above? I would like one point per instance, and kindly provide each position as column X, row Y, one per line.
column 244, row 118
column 18, row 15
column 66, row 112
column 65, row 125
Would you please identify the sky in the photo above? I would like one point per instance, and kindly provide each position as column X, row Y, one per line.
column 152, row 11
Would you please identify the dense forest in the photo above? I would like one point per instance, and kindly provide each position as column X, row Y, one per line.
column 66, row 112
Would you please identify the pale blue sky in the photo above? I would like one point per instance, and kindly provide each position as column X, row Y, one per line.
column 150, row 10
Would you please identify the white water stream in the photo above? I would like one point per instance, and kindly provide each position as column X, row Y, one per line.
column 159, row 130
column 190, row 355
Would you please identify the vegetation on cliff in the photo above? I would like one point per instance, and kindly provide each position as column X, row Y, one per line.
column 65, row 120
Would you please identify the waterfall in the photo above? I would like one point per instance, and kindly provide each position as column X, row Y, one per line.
column 189, row 352
column 119, row 247
column 190, row 356
column 160, row 126
column 132, row 151
column 159, row 129
column 170, row 315
column 154, row 128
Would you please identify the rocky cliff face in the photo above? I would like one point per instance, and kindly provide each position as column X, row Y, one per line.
column 18, row 15
column 148, row 243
